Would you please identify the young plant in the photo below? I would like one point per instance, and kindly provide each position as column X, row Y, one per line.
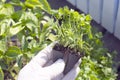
column 73, row 30
column 74, row 35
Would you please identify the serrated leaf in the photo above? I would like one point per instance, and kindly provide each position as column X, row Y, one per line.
column 1, row 74
column 13, row 52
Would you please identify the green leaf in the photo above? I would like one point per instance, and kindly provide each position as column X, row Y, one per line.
column 19, row 61
column 31, row 26
column 2, row 16
column 2, row 29
column 43, row 4
column 3, row 64
column 17, row 3
column 33, row 3
column 13, row 52
column 1, row 54
column 7, row 9
column 29, row 18
column 16, row 29
column 2, row 45
column 88, row 18
column 24, row 43
column 52, row 37
column 32, row 44
column 92, row 76
column 16, row 15
column 1, row 74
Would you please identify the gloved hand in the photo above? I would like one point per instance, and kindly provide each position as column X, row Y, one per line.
column 41, row 67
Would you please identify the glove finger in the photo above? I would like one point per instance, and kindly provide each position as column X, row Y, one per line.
column 43, row 56
column 48, row 63
column 55, row 69
column 72, row 74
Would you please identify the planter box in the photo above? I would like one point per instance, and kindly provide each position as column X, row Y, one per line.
column 95, row 9
column 108, row 15
column 73, row 2
column 117, row 27
column 82, row 5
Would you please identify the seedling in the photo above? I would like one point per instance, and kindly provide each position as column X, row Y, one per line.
column 72, row 31
column 76, row 40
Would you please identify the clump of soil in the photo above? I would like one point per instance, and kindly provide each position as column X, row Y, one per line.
column 69, row 55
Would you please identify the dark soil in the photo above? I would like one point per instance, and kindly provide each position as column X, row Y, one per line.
column 69, row 56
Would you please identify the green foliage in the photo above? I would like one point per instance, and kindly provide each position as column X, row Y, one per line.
column 22, row 34
column 38, row 3
column 26, row 30
column 73, row 30
column 13, row 52
column 95, row 70
column 98, row 64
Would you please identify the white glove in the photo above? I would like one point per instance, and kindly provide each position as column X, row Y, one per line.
column 41, row 67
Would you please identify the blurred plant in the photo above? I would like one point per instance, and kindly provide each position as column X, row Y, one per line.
column 23, row 32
